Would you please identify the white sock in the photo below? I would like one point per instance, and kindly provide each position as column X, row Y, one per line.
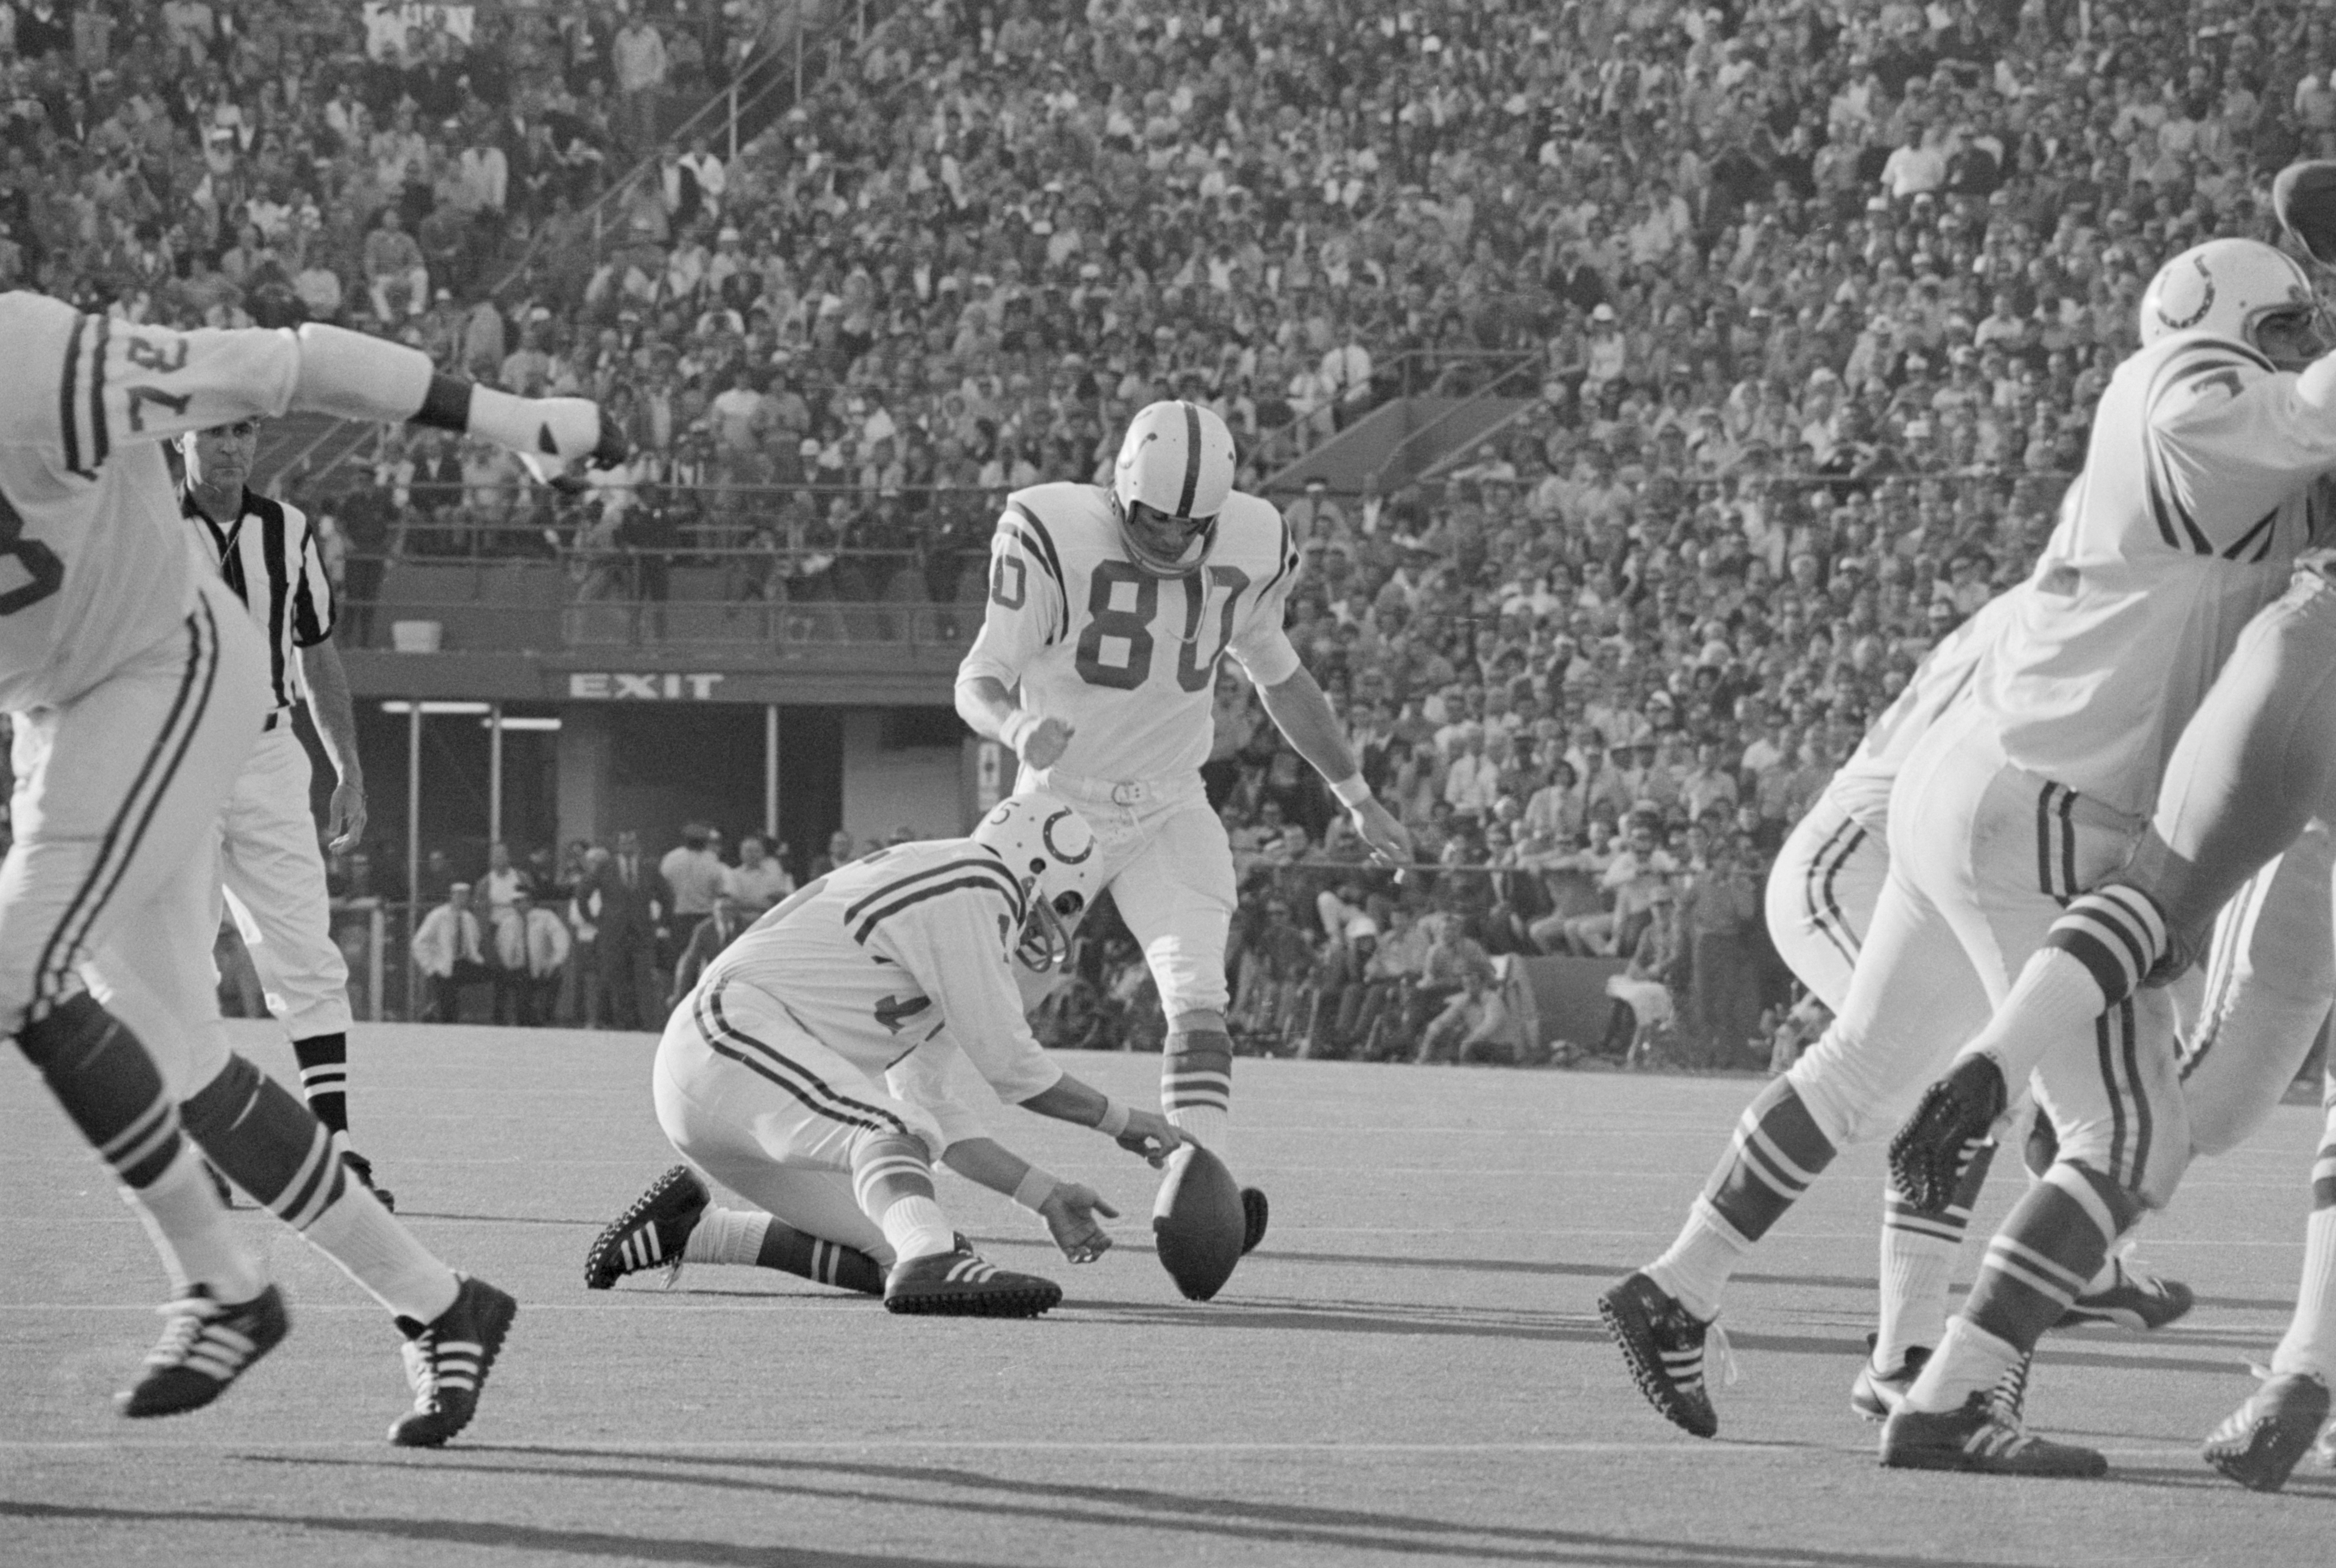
column 1916, row 1265
column 1696, row 1267
column 192, row 1232
column 2055, row 997
column 726, row 1236
column 1208, row 1126
column 382, row 1255
column 2309, row 1343
column 916, row 1228
column 1968, row 1359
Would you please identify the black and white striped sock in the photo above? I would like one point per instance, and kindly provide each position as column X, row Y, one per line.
column 325, row 1077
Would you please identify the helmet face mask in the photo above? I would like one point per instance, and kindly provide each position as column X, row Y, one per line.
column 1166, row 545
column 2290, row 337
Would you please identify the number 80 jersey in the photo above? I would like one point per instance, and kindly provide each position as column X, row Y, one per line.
column 1127, row 659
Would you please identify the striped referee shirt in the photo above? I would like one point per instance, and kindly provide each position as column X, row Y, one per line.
column 268, row 556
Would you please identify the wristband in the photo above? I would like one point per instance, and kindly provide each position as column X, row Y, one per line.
column 1034, row 1188
column 1351, row 790
column 1018, row 729
column 1114, row 1120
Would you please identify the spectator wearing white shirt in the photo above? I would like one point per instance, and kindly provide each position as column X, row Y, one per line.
column 447, row 954
column 757, row 882
column 532, row 950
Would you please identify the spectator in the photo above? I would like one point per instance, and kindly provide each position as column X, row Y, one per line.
column 758, row 881
column 692, row 875
column 448, row 954
column 532, row 950
column 624, row 903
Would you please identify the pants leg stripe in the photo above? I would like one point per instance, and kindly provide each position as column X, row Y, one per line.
column 2119, row 1058
column 123, row 835
column 1824, row 904
column 2223, row 971
column 762, row 1059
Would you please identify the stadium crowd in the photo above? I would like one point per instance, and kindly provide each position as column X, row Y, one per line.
column 1814, row 297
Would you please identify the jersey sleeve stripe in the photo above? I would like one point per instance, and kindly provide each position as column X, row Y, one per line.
column 69, row 397
column 899, row 884
column 994, row 882
column 2263, row 528
column 99, row 442
column 2166, row 507
column 1288, row 562
column 1192, row 460
column 1048, row 562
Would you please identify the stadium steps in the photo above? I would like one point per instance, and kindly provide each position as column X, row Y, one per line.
column 1398, row 441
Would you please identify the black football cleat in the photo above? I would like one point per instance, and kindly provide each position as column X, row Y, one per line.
column 447, row 1361
column 207, row 1344
column 650, row 1233
column 1664, row 1343
column 2135, row 1299
column 2259, row 1444
column 961, row 1284
column 1982, row 1439
column 1954, row 1118
column 1254, row 1213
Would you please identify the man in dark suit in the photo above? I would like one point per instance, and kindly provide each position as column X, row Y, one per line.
column 713, row 933
column 628, row 901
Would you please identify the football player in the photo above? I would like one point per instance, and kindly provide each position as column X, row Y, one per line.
column 2241, row 827
column 810, row 1071
column 2185, row 520
column 136, row 681
column 2196, row 497
column 1110, row 611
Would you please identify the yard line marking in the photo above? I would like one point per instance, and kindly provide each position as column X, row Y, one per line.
column 685, row 1447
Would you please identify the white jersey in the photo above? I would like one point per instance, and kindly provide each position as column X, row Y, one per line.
column 1861, row 786
column 2194, row 499
column 95, row 563
column 1127, row 659
column 907, row 947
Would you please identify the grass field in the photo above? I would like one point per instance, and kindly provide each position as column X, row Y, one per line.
column 1410, row 1369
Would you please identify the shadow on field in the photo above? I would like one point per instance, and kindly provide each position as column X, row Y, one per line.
column 1063, row 1503
column 2198, row 1478
column 1533, row 1266
column 493, row 1219
column 485, row 1533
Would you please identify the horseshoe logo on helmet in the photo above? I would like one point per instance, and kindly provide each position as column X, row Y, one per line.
column 1047, row 835
column 2183, row 324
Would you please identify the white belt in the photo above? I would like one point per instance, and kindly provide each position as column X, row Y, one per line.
column 1118, row 792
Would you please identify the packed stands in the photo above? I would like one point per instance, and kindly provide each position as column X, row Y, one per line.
column 1814, row 299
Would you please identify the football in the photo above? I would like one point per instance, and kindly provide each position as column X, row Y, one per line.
column 1197, row 1222
column 2304, row 197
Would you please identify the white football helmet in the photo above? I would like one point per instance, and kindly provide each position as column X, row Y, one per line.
column 1051, row 850
column 1176, row 468
column 2235, row 288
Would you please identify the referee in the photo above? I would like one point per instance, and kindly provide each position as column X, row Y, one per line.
column 273, row 873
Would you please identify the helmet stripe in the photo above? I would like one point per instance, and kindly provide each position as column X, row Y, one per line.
column 1192, row 459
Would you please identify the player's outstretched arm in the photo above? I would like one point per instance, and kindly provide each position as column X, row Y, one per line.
column 1144, row 1133
column 148, row 383
column 1070, row 1208
column 1303, row 715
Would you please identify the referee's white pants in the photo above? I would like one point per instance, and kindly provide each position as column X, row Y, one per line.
column 752, row 1099
column 273, row 877
column 115, row 792
column 1170, row 868
column 1821, row 897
